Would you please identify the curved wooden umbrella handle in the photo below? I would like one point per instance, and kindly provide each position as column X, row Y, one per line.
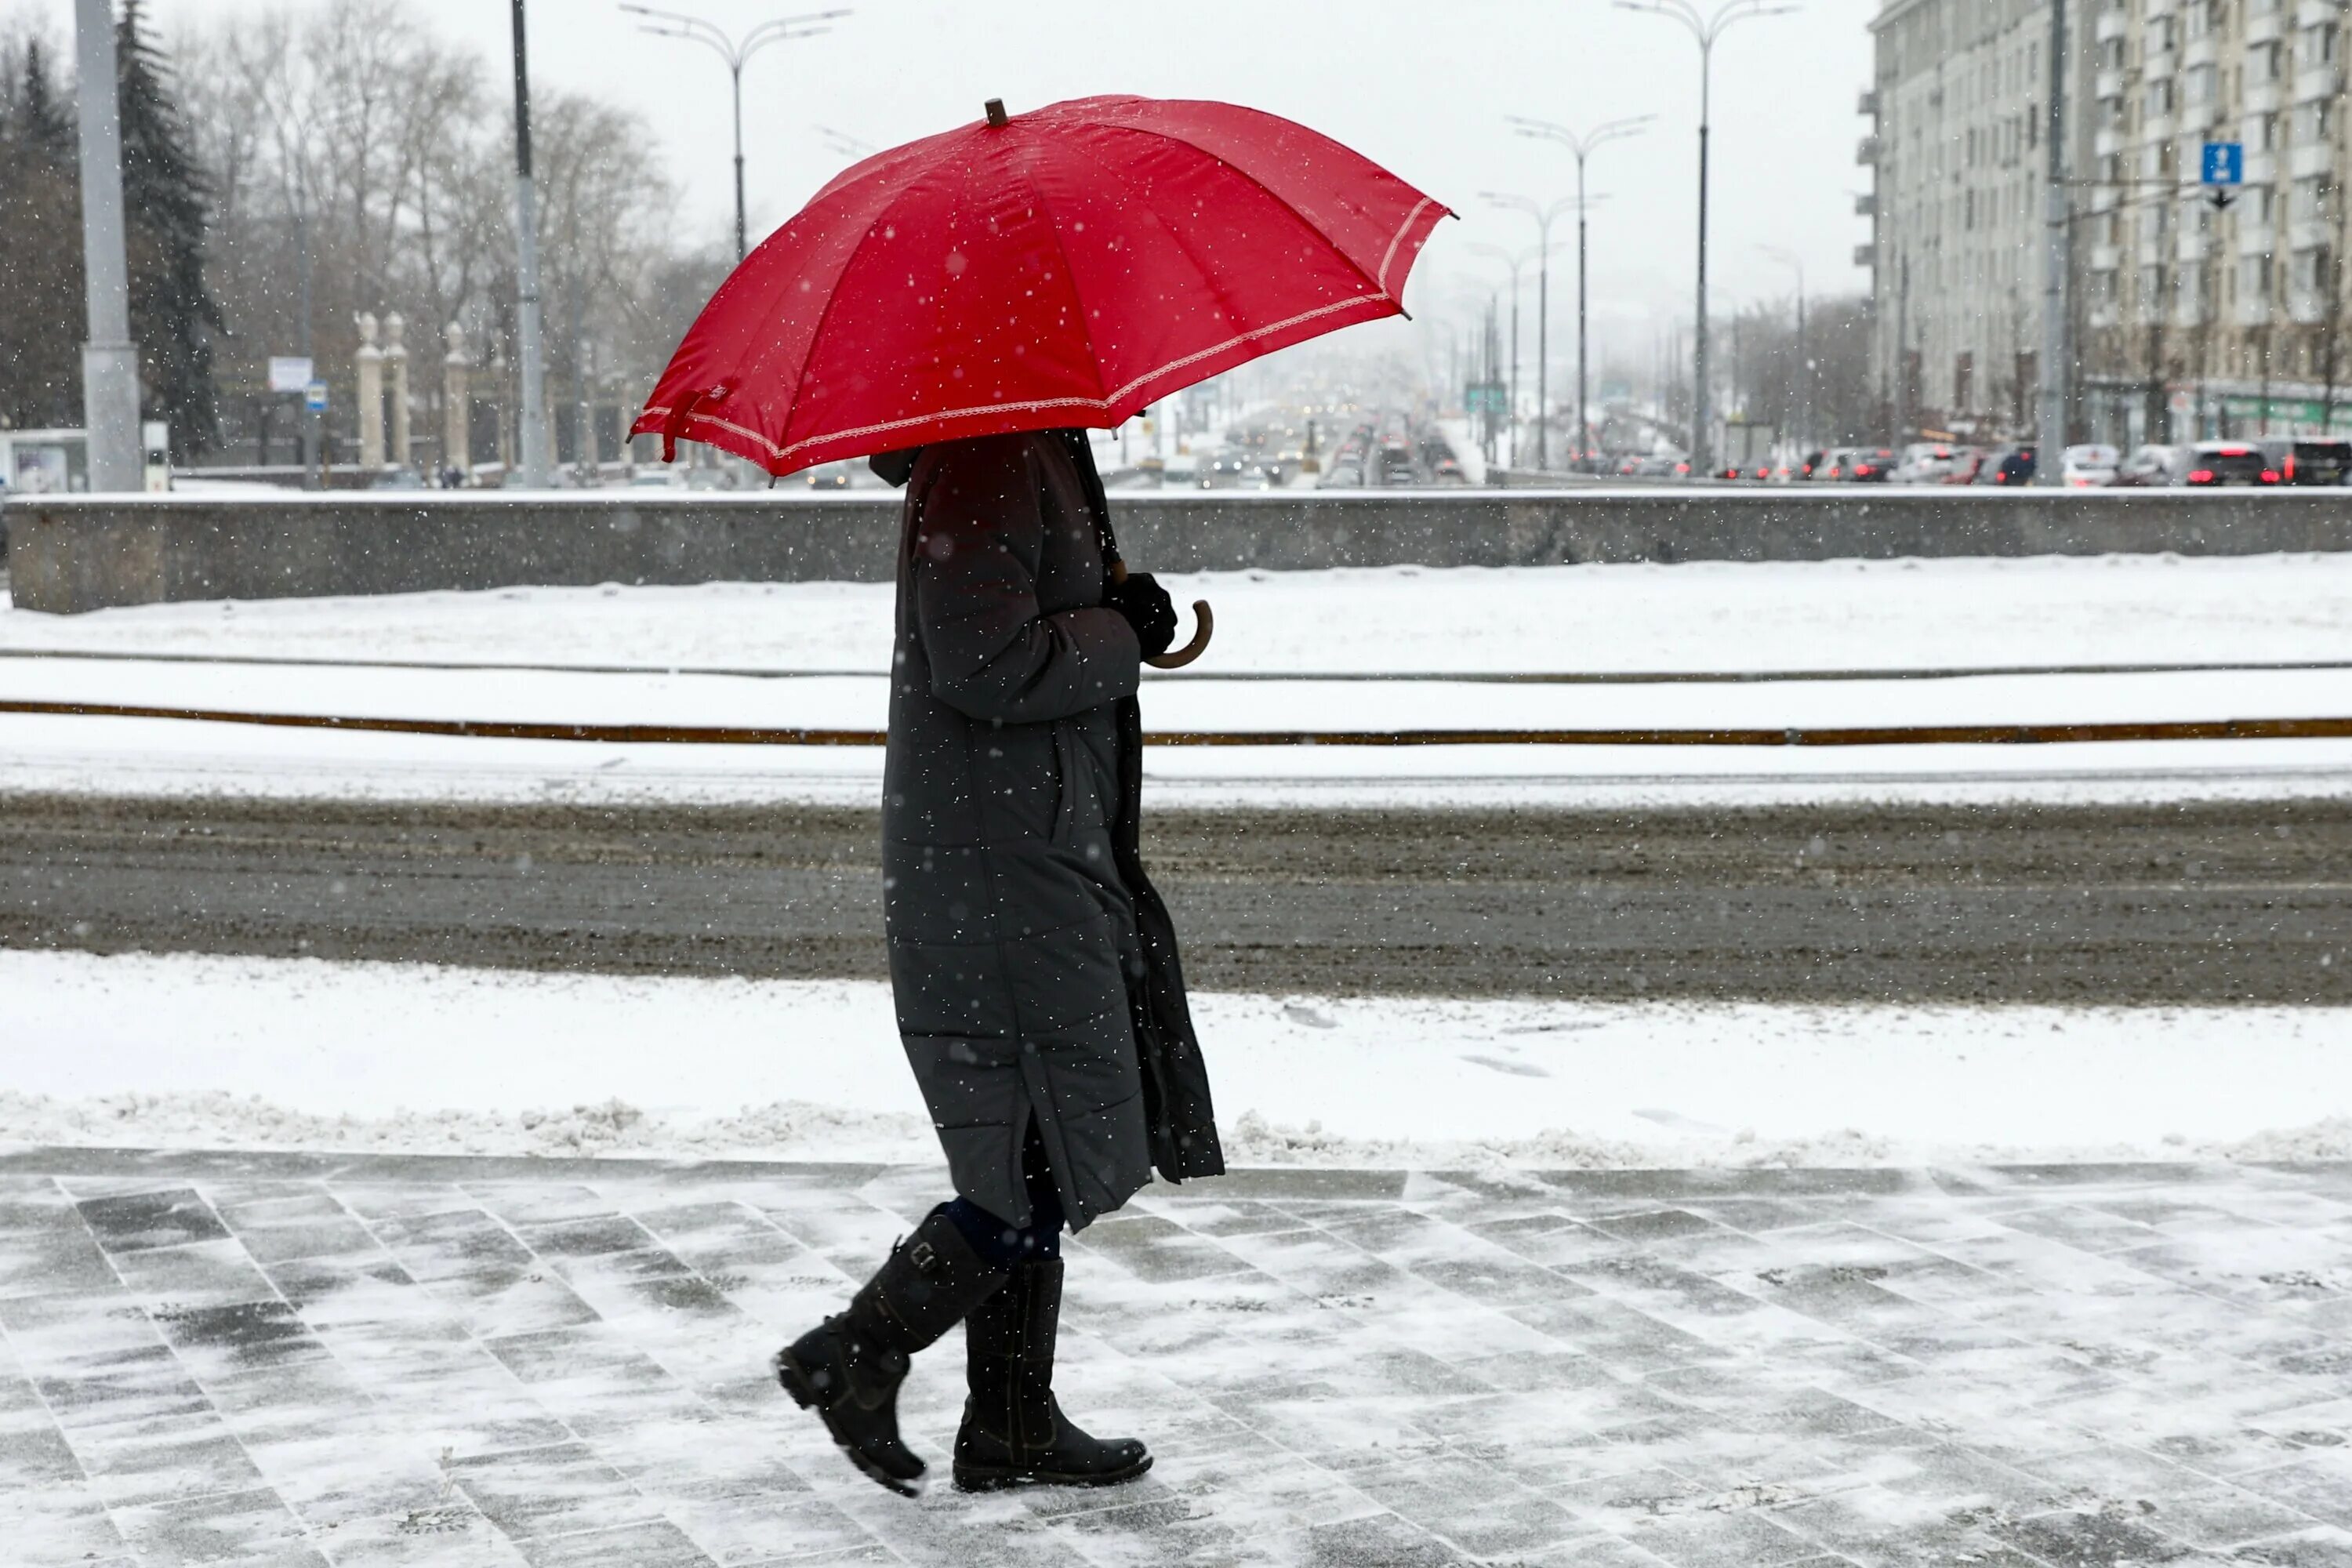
column 1202, row 633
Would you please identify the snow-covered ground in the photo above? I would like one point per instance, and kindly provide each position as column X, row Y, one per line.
column 811, row 655
column 1705, row 616
column 186, row 1051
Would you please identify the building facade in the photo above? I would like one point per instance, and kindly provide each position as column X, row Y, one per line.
column 2190, row 316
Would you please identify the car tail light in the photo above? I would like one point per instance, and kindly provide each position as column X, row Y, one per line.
column 1864, row 470
column 2289, row 471
column 2270, row 476
column 2200, row 476
column 1681, row 467
column 2236, row 451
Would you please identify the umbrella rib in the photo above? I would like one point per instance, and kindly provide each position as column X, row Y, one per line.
column 1069, row 270
column 1238, row 318
column 824, row 313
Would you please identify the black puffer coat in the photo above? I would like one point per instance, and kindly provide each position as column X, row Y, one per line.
column 1034, row 966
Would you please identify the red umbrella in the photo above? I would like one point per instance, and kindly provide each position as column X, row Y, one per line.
column 1069, row 266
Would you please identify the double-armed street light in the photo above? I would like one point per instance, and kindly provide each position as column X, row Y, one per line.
column 1545, row 218
column 737, row 53
column 1706, row 27
column 1517, row 261
column 1583, row 146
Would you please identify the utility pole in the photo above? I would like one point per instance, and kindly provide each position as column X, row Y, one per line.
column 2158, row 413
column 1706, row 29
column 2056, row 339
column 533, row 453
column 737, row 53
column 311, row 421
column 1581, row 147
column 109, row 360
column 1790, row 259
column 1545, row 218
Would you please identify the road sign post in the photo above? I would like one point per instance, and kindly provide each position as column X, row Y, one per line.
column 2223, row 170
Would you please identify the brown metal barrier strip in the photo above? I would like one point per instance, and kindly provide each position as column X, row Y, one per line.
column 723, row 735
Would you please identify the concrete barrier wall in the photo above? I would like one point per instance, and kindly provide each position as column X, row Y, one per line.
column 75, row 554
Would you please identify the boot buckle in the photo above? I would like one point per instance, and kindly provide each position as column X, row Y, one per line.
column 923, row 1257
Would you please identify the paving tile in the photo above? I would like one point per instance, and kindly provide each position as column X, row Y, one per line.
column 136, row 1221
column 476, row 1361
column 654, row 1544
column 559, row 1489
column 219, row 1273
column 243, row 1527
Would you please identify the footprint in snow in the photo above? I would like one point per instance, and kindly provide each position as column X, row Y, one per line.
column 1314, row 1018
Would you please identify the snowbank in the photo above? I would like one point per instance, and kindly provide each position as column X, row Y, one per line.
column 194, row 1052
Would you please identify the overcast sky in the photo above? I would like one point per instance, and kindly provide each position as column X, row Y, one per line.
column 1420, row 85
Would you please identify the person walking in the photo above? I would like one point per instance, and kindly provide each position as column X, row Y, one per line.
column 1039, row 994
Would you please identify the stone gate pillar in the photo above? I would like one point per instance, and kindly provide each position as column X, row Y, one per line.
column 455, row 450
column 371, row 369
column 395, row 360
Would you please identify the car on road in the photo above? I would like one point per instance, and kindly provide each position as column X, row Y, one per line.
column 829, row 477
column 2149, row 467
column 2014, row 464
column 1924, row 463
column 2090, row 466
column 2211, row 463
column 1967, row 462
column 661, row 479
column 1662, row 466
column 1229, row 466
column 2311, row 461
column 1858, row 464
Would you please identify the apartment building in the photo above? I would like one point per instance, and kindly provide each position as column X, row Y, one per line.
column 2190, row 318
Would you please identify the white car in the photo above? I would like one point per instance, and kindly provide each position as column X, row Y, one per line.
column 2090, row 468
column 1925, row 463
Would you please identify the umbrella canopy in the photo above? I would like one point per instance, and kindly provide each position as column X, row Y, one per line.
column 1068, row 267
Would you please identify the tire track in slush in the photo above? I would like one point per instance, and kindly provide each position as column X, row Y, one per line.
column 2211, row 902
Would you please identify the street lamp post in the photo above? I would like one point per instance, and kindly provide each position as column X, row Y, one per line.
column 1545, row 218
column 1789, row 258
column 1582, row 147
column 109, row 360
column 1706, row 28
column 737, row 53
column 1517, row 261
column 535, row 470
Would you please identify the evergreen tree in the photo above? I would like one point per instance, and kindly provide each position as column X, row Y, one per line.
column 42, row 123
column 172, row 313
column 40, row 256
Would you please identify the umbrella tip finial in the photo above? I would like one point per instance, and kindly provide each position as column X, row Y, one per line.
column 996, row 115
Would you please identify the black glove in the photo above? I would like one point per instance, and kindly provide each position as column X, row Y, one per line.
column 1148, row 608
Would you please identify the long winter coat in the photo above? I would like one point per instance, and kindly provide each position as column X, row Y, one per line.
column 1034, row 967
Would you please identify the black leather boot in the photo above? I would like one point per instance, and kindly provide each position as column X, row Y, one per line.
column 848, row 1368
column 1013, row 1431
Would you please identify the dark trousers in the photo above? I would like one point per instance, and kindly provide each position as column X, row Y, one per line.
column 1001, row 1244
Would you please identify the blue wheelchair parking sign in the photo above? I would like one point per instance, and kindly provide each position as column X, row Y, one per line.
column 2225, row 162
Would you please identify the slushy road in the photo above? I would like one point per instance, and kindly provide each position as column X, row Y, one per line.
column 2199, row 903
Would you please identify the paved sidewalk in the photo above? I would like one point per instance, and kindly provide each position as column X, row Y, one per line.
column 302, row 1360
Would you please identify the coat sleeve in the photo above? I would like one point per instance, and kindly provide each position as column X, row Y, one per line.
column 993, row 656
